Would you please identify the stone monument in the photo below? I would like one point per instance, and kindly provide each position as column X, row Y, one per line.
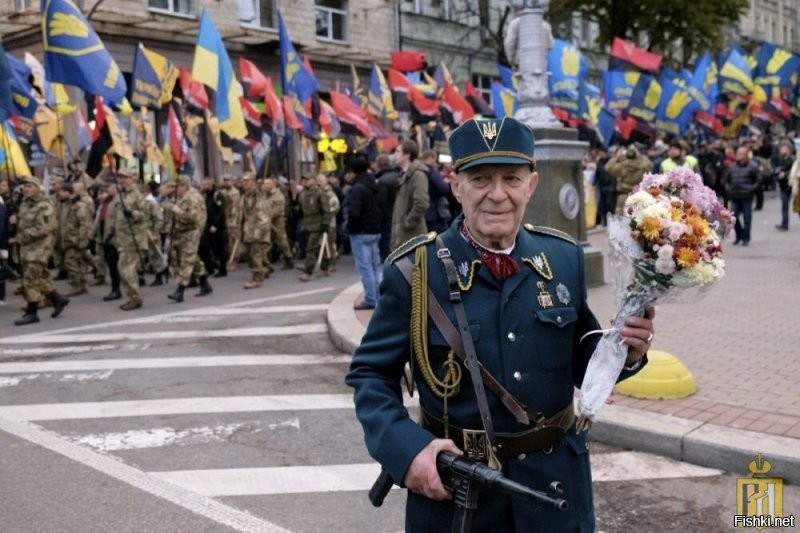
column 559, row 199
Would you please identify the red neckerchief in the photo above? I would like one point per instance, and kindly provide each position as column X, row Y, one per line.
column 500, row 265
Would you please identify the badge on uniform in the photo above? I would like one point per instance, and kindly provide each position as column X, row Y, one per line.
column 563, row 295
column 463, row 269
column 545, row 300
column 542, row 266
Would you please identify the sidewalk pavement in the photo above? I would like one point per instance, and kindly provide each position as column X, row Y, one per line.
column 741, row 342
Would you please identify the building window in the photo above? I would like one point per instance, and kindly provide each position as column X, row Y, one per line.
column 258, row 13
column 180, row 7
column 483, row 84
column 331, row 17
column 22, row 5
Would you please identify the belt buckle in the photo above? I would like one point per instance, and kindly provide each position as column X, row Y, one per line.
column 476, row 444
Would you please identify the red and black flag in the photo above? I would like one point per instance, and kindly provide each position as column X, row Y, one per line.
column 627, row 56
column 708, row 121
column 194, row 93
column 252, row 120
column 455, row 108
column 254, row 82
column 478, row 102
column 408, row 98
column 177, row 140
column 408, row 60
column 352, row 117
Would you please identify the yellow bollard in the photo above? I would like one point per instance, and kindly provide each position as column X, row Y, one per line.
column 663, row 378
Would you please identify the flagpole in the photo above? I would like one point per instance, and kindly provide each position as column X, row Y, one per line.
column 61, row 140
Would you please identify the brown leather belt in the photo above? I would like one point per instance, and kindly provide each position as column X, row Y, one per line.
column 472, row 442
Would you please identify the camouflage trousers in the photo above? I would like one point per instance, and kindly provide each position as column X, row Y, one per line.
column 128, row 266
column 187, row 261
column 36, row 282
column 254, row 252
column 280, row 240
column 75, row 265
column 100, row 266
column 313, row 244
column 58, row 256
column 154, row 255
column 234, row 234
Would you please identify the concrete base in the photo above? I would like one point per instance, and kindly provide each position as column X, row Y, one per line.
column 558, row 201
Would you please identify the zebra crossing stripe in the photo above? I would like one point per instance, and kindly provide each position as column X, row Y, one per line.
column 170, row 362
column 180, row 406
column 268, row 331
column 618, row 466
column 196, row 503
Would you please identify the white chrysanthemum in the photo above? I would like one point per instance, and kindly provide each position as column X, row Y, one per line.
column 639, row 200
column 656, row 210
column 704, row 273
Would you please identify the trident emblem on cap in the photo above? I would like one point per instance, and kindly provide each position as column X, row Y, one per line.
column 489, row 130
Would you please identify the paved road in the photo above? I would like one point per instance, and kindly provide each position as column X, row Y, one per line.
column 229, row 414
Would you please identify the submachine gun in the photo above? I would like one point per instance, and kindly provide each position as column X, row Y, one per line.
column 466, row 478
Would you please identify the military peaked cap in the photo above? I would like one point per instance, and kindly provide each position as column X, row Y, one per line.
column 505, row 141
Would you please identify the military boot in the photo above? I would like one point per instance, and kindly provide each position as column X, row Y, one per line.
column 177, row 296
column 205, row 288
column 255, row 282
column 305, row 276
column 131, row 305
column 288, row 263
column 59, row 303
column 30, row 316
column 113, row 295
column 159, row 279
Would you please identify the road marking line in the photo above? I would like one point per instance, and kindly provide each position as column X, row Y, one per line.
column 198, row 504
column 23, row 352
column 213, row 313
column 179, row 313
column 357, row 477
column 177, row 406
column 61, row 378
column 169, row 335
column 170, row 362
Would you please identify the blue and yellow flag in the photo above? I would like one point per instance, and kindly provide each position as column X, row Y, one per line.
column 5, row 85
column 776, row 66
column 212, row 67
column 152, row 80
column 618, row 87
column 75, row 55
column 504, row 100
column 704, row 87
column 507, row 77
column 567, row 68
column 676, row 108
column 379, row 100
column 297, row 80
column 23, row 97
column 645, row 99
column 595, row 114
column 735, row 75
column 12, row 160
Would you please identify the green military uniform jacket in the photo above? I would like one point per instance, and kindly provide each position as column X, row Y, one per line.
column 192, row 221
column 531, row 345
column 36, row 229
column 76, row 224
column 256, row 217
column 133, row 234
column 316, row 207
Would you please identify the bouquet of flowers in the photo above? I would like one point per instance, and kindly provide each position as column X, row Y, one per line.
column 667, row 245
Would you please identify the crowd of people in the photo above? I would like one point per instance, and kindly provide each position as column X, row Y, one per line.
column 739, row 171
column 119, row 231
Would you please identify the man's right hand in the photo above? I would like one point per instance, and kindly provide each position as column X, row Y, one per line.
column 422, row 476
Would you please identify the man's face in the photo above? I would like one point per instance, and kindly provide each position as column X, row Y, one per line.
column 269, row 185
column 29, row 189
column 248, row 185
column 400, row 157
column 494, row 198
column 207, row 184
column 3, row 187
column 674, row 152
column 182, row 190
column 743, row 154
column 63, row 194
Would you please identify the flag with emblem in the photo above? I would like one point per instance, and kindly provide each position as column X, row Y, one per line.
column 567, row 68
column 618, row 87
column 406, row 96
column 152, row 80
column 23, row 97
column 776, row 66
column 735, row 75
column 507, row 77
column 296, row 77
column 5, row 85
column 212, row 67
column 75, row 55
column 12, row 160
column 379, row 98
column 703, row 86
column 455, row 108
column 675, row 109
column 645, row 99
column 504, row 100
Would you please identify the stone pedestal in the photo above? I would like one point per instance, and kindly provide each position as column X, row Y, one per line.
column 559, row 199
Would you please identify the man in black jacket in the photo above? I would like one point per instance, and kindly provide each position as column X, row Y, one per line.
column 214, row 238
column 364, row 228
column 741, row 181
column 388, row 176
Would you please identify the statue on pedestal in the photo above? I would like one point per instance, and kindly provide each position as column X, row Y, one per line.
column 528, row 55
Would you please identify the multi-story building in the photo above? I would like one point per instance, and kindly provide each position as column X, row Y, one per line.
column 775, row 21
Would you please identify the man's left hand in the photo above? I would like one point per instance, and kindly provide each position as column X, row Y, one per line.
column 637, row 334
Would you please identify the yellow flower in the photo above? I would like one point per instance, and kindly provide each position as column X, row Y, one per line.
column 686, row 257
column 699, row 225
column 651, row 228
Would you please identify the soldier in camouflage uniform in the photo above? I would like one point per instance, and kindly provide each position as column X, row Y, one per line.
column 89, row 260
column 325, row 184
column 256, row 222
column 130, row 230
column 277, row 209
column 56, row 182
column 167, row 232
column 154, row 254
column 75, row 229
column 233, row 220
column 190, row 221
column 36, row 230
column 316, row 222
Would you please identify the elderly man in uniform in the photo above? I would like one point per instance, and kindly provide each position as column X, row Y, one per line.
column 131, row 220
column 190, row 222
column 522, row 295
column 256, row 222
column 36, row 230
column 75, row 229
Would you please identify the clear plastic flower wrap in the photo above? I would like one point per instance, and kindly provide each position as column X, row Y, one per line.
column 666, row 246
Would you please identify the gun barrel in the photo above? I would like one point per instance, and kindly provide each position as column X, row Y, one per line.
column 491, row 478
column 380, row 488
